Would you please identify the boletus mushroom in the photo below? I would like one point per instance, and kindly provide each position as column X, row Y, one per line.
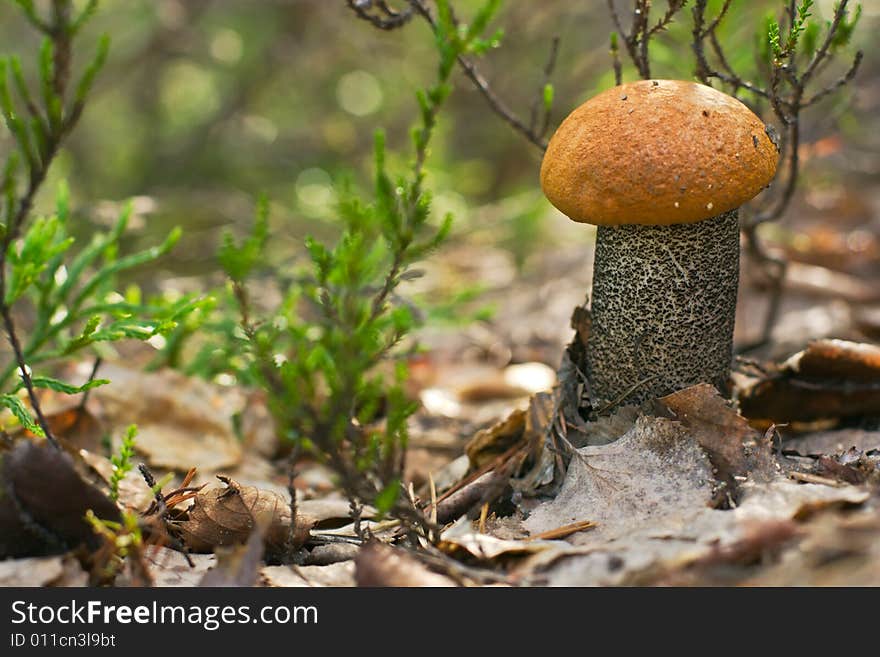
column 661, row 167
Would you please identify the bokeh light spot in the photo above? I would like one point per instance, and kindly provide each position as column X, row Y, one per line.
column 359, row 93
column 314, row 187
column 227, row 46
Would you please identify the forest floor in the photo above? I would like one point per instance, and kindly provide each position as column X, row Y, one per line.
column 783, row 489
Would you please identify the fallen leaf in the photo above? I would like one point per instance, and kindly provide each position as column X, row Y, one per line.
column 655, row 470
column 662, row 548
column 606, row 428
column 838, row 360
column 258, row 427
column 829, row 379
column 719, row 429
column 461, row 540
column 45, row 500
column 476, row 384
column 226, row 515
column 829, row 467
column 733, row 446
column 182, row 421
column 489, row 443
column 758, row 540
column 866, row 320
column 133, row 490
column 76, row 426
column 817, row 280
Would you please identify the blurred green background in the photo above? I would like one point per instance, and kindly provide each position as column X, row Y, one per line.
column 204, row 104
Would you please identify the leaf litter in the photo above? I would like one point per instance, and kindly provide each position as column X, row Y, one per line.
column 652, row 495
column 656, row 481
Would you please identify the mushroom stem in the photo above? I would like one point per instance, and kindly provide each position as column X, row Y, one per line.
column 663, row 306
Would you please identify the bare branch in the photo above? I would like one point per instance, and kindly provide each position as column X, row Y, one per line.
column 538, row 107
column 786, row 93
column 638, row 37
column 822, row 52
column 387, row 19
column 384, row 18
column 837, row 84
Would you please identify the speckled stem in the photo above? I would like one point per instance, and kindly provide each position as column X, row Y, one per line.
column 663, row 305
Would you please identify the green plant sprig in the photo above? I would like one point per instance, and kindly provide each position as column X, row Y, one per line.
column 122, row 460
column 71, row 295
column 320, row 353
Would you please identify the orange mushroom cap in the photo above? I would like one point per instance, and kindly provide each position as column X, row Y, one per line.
column 657, row 152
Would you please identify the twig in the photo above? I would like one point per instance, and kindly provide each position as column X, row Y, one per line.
column 615, row 60
column 539, row 107
column 386, row 22
column 563, row 532
column 786, row 92
column 807, row 478
column 162, row 513
column 81, row 407
column 58, row 30
column 26, row 376
column 638, row 37
column 291, row 490
column 384, row 17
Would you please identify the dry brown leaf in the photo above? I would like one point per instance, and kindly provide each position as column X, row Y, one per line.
column 662, row 548
column 378, row 564
column 606, row 428
column 226, row 515
column 818, row 280
column 839, row 360
column 489, row 443
column 866, row 320
column 134, row 493
column 45, row 500
column 719, row 429
column 829, row 379
column 75, row 426
column 182, row 421
column 258, row 427
column 461, row 540
column 733, row 446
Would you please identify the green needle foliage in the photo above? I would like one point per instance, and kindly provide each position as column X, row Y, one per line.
column 121, row 461
column 65, row 297
column 800, row 40
column 320, row 353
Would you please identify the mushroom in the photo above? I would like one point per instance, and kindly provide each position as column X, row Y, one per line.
column 661, row 167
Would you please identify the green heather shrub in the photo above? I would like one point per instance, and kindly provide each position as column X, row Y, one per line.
column 328, row 354
column 59, row 300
